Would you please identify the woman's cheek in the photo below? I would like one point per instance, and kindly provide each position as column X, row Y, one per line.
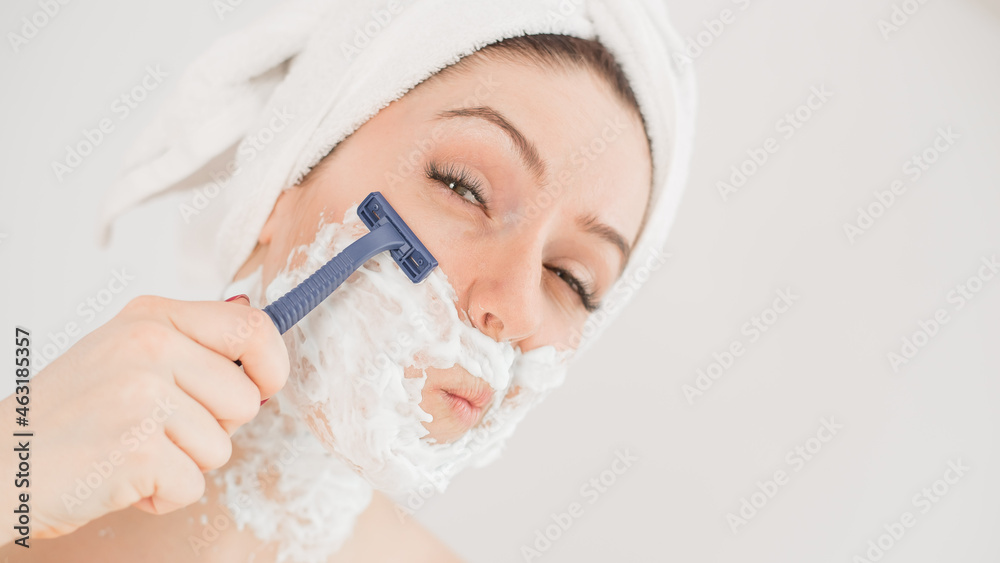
column 457, row 250
column 562, row 327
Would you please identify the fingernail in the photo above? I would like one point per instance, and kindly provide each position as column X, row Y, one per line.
column 235, row 297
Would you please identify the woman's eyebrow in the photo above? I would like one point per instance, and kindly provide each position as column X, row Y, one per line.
column 592, row 225
column 533, row 161
column 529, row 154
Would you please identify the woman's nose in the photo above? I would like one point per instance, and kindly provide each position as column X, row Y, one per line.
column 505, row 297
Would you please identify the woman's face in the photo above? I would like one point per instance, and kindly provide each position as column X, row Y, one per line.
column 527, row 185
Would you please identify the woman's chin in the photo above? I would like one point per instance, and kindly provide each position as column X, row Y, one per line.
column 453, row 417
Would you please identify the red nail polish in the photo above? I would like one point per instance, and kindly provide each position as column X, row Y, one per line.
column 233, row 298
column 264, row 401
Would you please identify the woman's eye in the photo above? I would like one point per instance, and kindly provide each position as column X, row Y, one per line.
column 458, row 180
column 587, row 296
column 463, row 191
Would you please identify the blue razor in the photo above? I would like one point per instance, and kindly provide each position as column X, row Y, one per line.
column 387, row 232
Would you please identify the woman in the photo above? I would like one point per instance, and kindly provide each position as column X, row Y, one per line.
column 538, row 170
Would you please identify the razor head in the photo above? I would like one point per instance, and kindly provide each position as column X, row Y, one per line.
column 413, row 257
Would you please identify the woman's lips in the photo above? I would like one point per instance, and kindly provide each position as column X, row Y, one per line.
column 468, row 402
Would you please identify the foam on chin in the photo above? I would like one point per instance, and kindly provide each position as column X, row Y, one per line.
column 348, row 383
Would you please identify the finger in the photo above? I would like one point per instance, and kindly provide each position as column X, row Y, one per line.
column 233, row 330
column 197, row 433
column 178, row 483
column 217, row 383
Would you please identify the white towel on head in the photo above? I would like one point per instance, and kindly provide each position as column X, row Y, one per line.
column 269, row 101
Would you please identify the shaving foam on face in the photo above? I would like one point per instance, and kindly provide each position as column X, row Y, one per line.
column 357, row 371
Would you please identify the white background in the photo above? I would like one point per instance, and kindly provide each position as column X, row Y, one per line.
column 826, row 357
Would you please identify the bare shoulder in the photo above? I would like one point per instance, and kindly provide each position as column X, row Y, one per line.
column 384, row 532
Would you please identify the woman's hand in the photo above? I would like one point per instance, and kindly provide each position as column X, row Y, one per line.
column 136, row 411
